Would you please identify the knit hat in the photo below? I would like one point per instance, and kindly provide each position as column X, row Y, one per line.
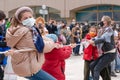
column 21, row 9
column 53, row 37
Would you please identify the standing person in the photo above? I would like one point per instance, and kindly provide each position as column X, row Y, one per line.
column 85, row 29
column 2, row 17
column 2, row 23
column 25, row 37
column 3, row 46
column 76, row 38
column 90, row 51
column 72, row 25
column 117, row 67
column 106, row 45
column 52, row 27
column 65, row 32
column 113, row 63
column 40, row 23
column 61, row 33
column 55, row 60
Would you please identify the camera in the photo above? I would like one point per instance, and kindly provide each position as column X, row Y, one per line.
column 101, row 24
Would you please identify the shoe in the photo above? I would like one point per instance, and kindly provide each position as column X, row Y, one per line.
column 113, row 74
column 90, row 78
column 75, row 54
column 78, row 54
column 117, row 71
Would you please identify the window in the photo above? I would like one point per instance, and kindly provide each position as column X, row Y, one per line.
column 95, row 13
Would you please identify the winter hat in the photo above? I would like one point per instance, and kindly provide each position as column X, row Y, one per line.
column 53, row 37
column 21, row 9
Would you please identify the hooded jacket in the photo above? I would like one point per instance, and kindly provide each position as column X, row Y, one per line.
column 55, row 62
column 90, row 52
column 26, row 63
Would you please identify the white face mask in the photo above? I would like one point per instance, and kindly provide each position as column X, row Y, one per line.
column 28, row 22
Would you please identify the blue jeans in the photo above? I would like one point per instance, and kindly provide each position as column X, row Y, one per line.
column 41, row 75
column 117, row 67
column 76, row 49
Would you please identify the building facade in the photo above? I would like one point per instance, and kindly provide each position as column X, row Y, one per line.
column 81, row 10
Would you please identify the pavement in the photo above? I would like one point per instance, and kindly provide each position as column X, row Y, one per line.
column 74, row 69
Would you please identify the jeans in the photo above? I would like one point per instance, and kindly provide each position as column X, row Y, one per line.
column 113, row 66
column 76, row 49
column 105, row 74
column 102, row 62
column 41, row 75
column 117, row 67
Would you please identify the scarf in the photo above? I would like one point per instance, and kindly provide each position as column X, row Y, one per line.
column 37, row 39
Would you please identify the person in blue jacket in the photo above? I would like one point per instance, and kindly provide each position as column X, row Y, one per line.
column 3, row 45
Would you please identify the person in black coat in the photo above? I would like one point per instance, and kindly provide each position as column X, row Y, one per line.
column 51, row 27
column 2, row 33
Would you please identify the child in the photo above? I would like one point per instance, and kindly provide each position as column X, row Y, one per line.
column 55, row 60
column 90, row 51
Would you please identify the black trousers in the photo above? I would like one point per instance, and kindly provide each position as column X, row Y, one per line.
column 105, row 73
column 101, row 63
column 1, row 73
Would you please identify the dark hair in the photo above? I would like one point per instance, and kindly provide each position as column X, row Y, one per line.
column 2, row 15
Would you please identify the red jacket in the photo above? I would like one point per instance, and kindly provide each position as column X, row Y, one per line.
column 55, row 62
column 91, row 52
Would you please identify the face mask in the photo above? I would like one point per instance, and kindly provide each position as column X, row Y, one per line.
column 28, row 22
column 101, row 24
column 92, row 34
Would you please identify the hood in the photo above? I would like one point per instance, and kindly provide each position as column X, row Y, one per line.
column 14, row 34
column 88, row 36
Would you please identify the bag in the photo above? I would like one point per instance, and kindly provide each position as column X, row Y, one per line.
column 8, row 72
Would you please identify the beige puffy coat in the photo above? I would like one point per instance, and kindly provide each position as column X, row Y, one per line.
column 26, row 63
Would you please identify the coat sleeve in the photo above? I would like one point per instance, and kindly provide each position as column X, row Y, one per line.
column 65, row 52
column 106, row 37
column 49, row 45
